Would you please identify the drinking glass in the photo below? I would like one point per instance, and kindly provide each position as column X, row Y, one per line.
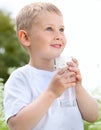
column 68, row 98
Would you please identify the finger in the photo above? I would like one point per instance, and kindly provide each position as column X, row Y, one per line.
column 79, row 78
column 68, row 73
column 71, row 84
column 69, row 63
column 62, row 71
column 75, row 61
column 69, row 78
column 74, row 69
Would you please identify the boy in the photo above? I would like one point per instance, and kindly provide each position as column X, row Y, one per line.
column 33, row 91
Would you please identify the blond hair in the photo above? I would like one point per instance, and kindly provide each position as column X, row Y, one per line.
column 28, row 14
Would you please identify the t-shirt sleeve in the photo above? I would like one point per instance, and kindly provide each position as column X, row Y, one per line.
column 16, row 94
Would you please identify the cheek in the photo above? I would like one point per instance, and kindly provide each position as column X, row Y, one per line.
column 40, row 46
column 65, row 42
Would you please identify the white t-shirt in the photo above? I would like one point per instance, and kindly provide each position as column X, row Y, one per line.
column 24, row 86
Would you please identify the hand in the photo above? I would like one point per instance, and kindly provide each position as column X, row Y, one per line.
column 73, row 67
column 61, row 81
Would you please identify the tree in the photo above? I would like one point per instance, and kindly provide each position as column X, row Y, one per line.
column 11, row 53
column 3, row 125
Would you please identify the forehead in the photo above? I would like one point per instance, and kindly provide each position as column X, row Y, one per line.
column 49, row 18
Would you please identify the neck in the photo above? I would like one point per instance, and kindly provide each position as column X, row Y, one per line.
column 43, row 64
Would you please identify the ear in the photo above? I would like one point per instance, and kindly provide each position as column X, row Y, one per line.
column 24, row 38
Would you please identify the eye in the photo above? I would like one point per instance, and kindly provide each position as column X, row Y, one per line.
column 61, row 29
column 49, row 28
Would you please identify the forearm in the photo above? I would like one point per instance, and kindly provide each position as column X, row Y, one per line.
column 88, row 105
column 29, row 116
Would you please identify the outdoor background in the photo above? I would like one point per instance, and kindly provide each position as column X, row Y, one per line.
column 82, row 20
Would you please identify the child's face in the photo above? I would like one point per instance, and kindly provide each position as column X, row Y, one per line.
column 47, row 39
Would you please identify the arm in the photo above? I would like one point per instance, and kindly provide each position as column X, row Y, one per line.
column 29, row 116
column 88, row 105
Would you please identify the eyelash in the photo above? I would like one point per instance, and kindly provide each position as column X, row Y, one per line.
column 61, row 29
column 50, row 29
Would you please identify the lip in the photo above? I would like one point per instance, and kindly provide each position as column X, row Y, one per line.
column 58, row 46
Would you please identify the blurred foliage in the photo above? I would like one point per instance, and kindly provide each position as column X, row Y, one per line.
column 3, row 125
column 11, row 53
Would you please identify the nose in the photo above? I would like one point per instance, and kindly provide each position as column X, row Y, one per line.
column 58, row 35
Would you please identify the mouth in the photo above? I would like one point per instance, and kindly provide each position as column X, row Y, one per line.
column 58, row 46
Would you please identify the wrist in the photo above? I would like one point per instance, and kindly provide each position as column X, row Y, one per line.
column 51, row 94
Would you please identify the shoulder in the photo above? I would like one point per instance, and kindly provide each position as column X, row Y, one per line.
column 18, row 76
column 21, row 71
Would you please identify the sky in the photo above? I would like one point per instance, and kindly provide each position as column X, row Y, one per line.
column 82, row 20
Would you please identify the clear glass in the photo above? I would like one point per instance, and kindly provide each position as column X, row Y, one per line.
column 68, row 98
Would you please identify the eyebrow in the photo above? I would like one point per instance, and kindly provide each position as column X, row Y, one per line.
column 53, row 25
